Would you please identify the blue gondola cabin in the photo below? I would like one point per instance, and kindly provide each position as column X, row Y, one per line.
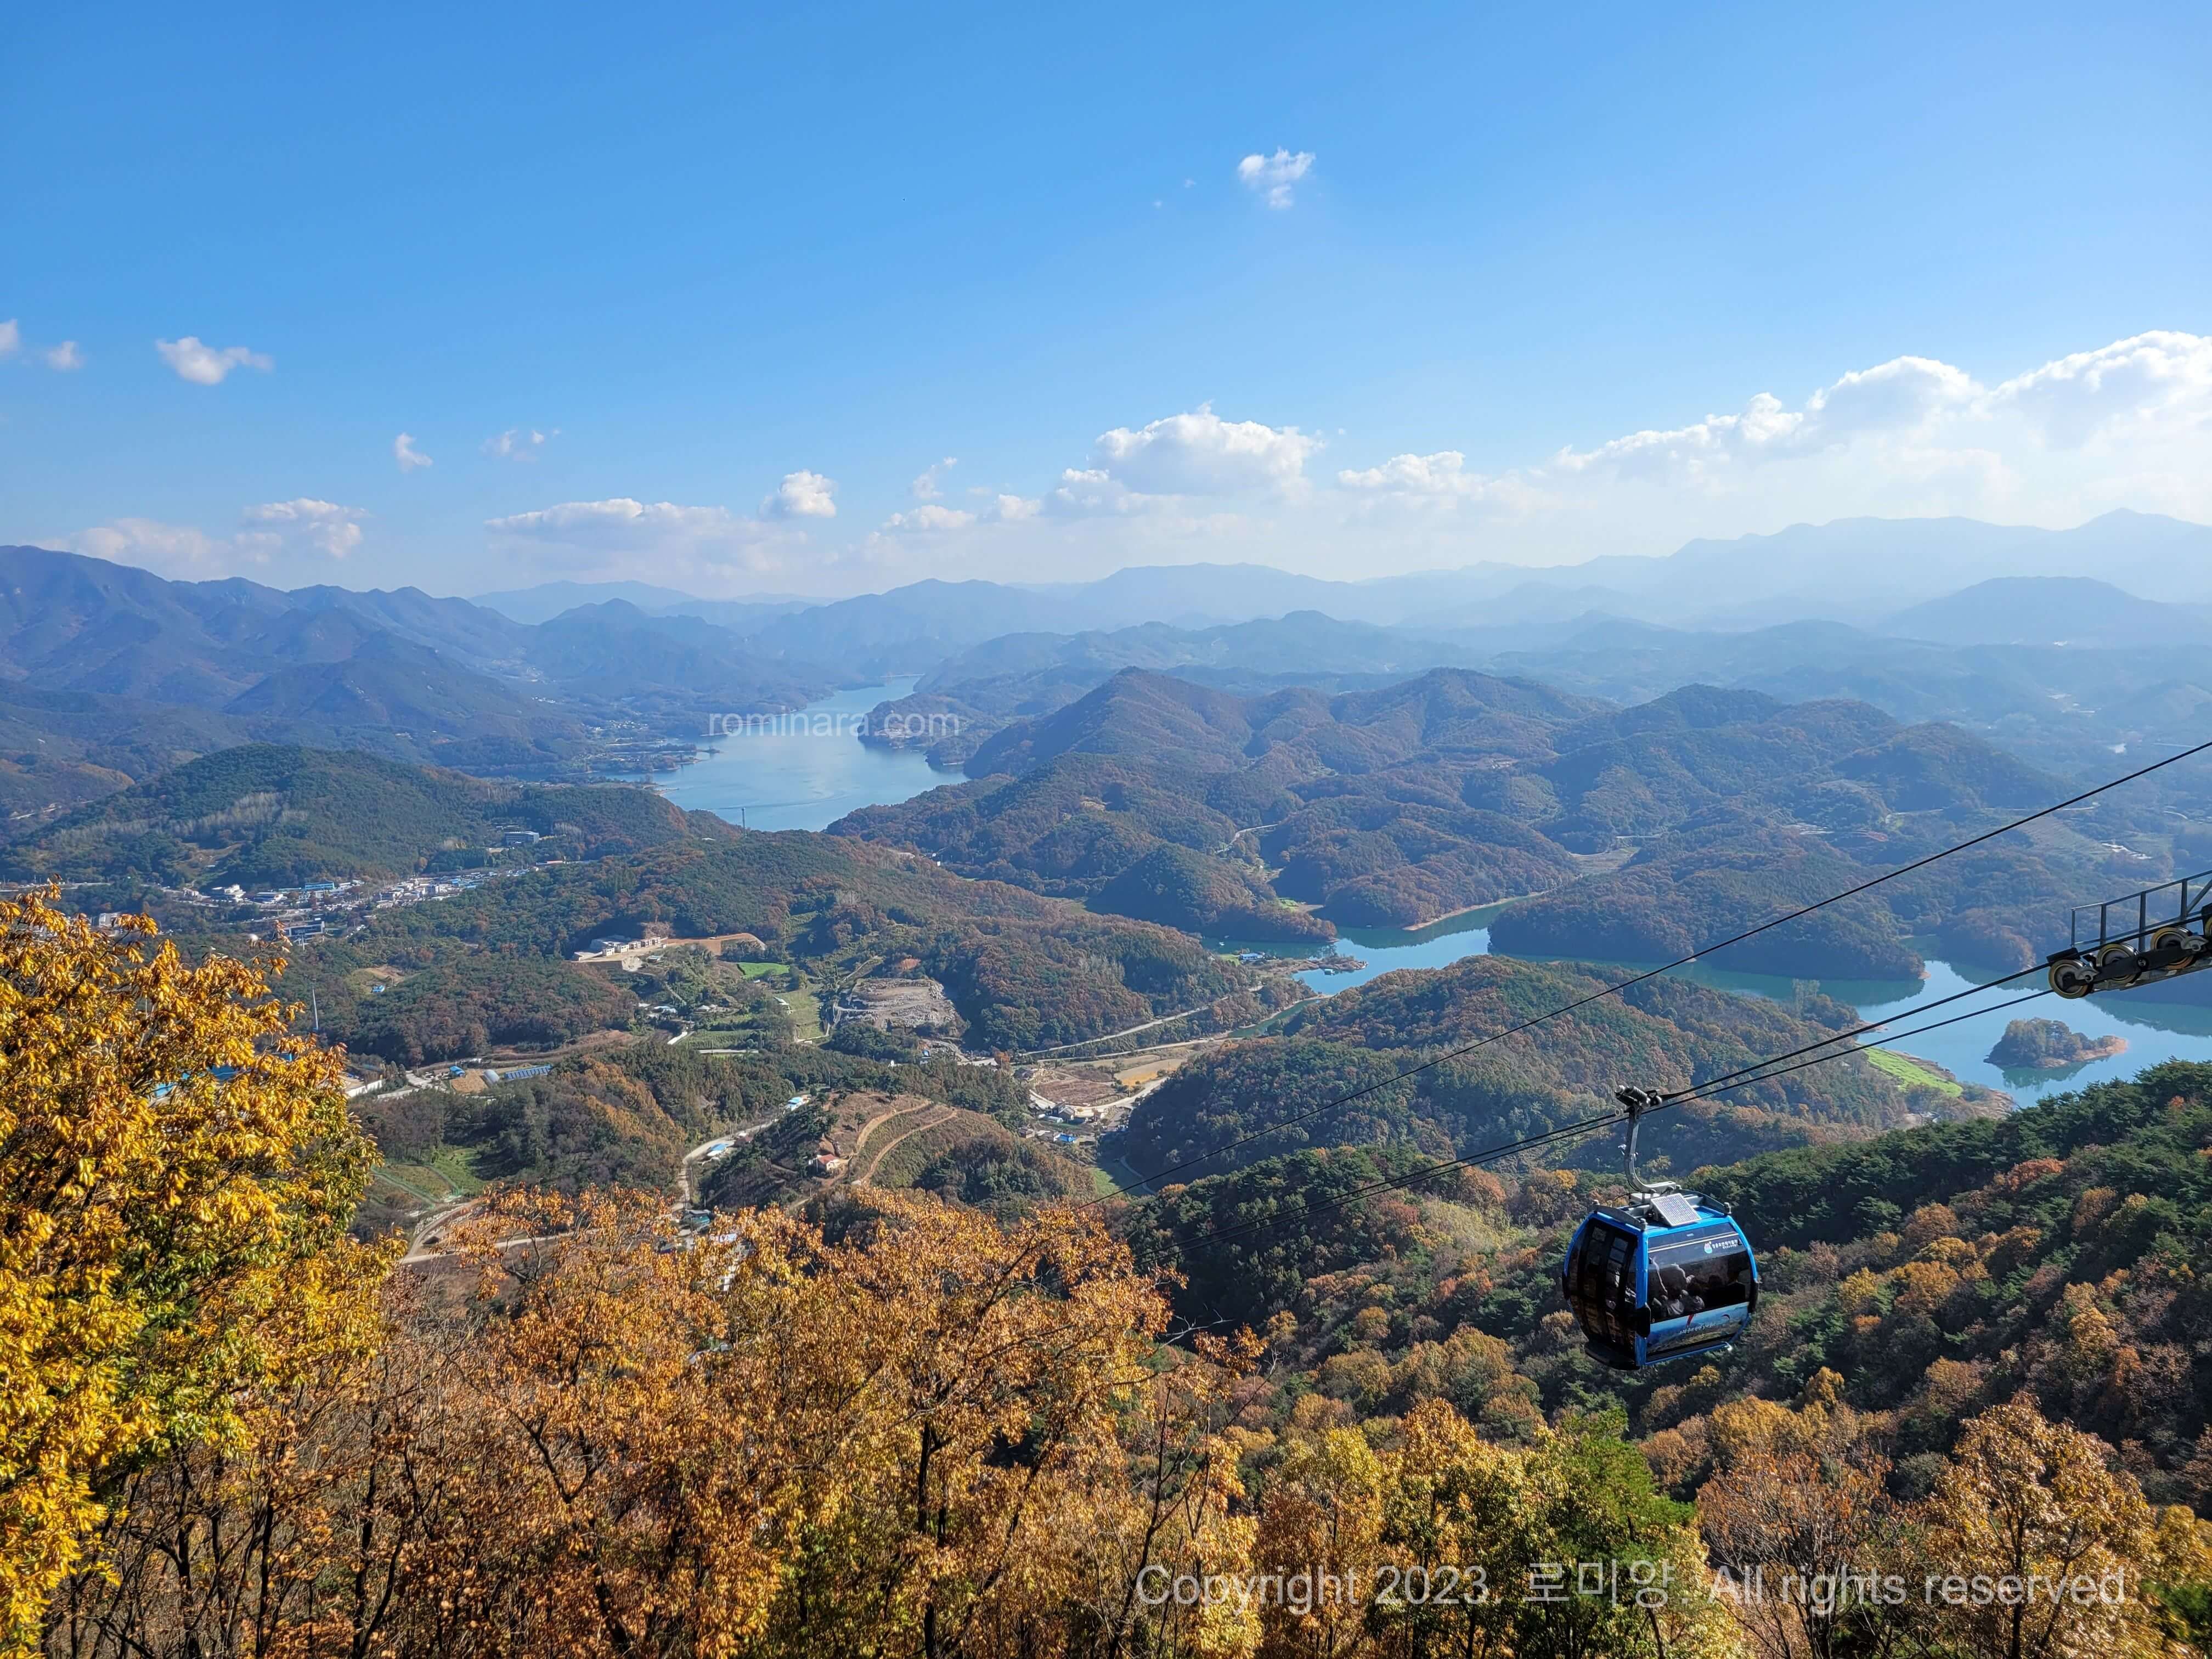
column 1664, row 1277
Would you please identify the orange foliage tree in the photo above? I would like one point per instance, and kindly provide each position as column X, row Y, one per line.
column 2023, row 1499
column 930, row 1435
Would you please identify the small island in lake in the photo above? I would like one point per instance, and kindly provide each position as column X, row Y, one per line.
column 2047, row 1045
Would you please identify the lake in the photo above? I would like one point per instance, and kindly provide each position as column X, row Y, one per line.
column 2155, row 1031
column 1384, row 950
column 806, row 775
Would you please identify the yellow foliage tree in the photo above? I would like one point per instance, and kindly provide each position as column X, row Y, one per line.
column 177, row 1170
column 1796, row 1513
column 928, row 1435
column 1321, row 1532
column 2034, row 1505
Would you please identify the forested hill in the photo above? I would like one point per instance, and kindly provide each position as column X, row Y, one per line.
column 1161, row 716
column 1647, row 829
column 491, row 967
column 1666, row 1033
column 1018, row 676
column 2056, row 1255
column 265, row 815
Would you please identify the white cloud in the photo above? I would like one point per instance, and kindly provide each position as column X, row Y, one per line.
column 1437, row 483
column 620, row 523
column 1444, row 473
column 2129, row 424
column 63, row 357
column 1194, row 454
column 204, row 364
column 1898, row 395
column 1901, row 396
column 996, row 508
column 930, row 516
column 1084, row 491
column 930, row 485
column 1271, row 177
column 802, row 496
column 664, row 541
column 2159, row 379
column 519, row 443
column 656, row 541
column 2151, row 382
column 325, row 525
column 273, row 529
column 409, row 457
column 170, row 550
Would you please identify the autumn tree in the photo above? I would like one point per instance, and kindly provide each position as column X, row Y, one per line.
column 2025, row 1497
column 1321, row 1533
column 1798, row 1515
column 1462, row 1510
column 1447, row 1543
column 596, row 1435
column 984, row 1452
column 1596, row 1506
column 177, row 1170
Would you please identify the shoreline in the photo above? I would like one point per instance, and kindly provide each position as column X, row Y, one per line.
column 1470, row 909
column 2101, row 1048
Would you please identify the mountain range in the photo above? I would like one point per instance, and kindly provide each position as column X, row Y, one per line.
column 1858, row 570
column 2063, row 646
column 1620, row 833
column 110, row 674
column 2066, row 670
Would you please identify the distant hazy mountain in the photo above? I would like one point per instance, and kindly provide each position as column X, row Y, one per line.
column 394, row 686
column 1858, row 570
column 2067, row 707
column 1302, row 642
column 72, row 622
column 2131, row 675
column 1929, row 617
column 911, row 630
column 1852, row 561
column 456, row 627
column 1025, row 675
column 616, row 644
column 548, row 599
column 739, row 616
column 2050, row 610
column 1197, row 594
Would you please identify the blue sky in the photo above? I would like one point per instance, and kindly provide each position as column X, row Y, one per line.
column 751, row 275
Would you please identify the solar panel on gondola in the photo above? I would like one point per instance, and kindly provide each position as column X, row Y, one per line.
column 1675, row 1210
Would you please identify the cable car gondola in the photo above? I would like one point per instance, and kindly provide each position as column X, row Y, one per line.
column 1663, row 1277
